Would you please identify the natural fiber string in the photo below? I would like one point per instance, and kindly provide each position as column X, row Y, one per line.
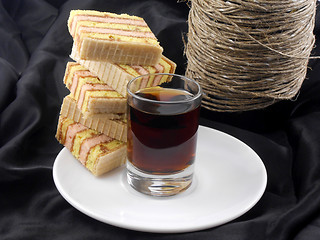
column 249, row 54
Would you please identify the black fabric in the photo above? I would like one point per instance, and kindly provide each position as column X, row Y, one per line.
column 34, row 49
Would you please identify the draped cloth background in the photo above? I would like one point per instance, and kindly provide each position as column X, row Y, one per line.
column 34, row 49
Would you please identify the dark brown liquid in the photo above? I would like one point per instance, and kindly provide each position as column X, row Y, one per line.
column 160, row 143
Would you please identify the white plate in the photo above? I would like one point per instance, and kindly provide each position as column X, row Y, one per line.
column 229, row 180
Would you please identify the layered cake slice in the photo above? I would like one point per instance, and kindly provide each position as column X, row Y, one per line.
column 96, row 151
column 115, row 128
column 92, row 95
column 118, row 38
column 118, row 75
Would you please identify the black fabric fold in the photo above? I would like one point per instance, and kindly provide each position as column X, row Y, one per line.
column 34, row 49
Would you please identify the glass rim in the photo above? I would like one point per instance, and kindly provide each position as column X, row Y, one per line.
column 193, row 98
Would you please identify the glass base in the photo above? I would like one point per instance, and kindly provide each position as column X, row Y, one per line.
column 159, row 185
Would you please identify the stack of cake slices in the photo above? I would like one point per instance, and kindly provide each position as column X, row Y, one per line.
column 108, row 51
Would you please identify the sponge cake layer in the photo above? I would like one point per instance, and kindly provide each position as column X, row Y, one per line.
column 92, row 95
column 97, row 152
column 117, row 38
column 118, row 75
column 115, row 128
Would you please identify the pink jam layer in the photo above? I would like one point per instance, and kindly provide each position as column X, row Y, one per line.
column 119, row 32
column 105, row 19
column 75, row 79
column 72, row 130
column 91, row 87
column 87, row 144
column 141, row 70
column 159, row 69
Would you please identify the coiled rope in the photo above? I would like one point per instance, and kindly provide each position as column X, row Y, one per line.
column 249, row 54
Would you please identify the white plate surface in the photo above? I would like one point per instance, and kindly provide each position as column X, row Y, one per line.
column 229, row 179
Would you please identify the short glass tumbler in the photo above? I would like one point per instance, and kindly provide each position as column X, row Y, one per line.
column 163, row 120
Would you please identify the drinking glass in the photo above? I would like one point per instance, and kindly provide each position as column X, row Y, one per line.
column 163, row 114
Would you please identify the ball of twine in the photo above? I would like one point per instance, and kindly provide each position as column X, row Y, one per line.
column 249, row 54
